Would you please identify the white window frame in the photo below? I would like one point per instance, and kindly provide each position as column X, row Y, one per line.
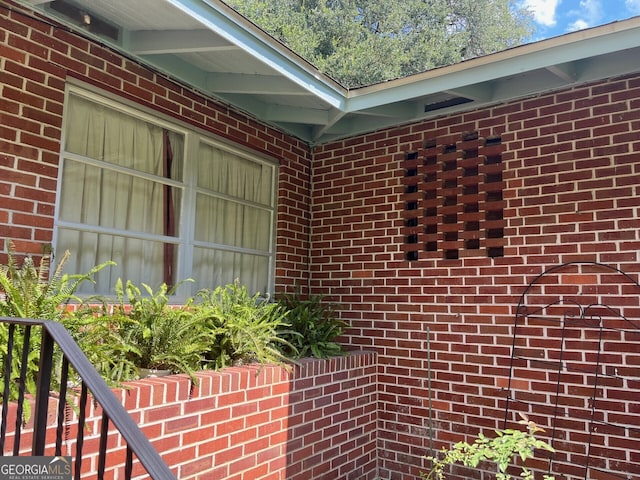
column 185, row 238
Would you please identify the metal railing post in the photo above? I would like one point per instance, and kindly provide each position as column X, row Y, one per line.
column 42, row 394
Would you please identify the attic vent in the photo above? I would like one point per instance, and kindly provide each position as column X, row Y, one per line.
column 85, row 19
column 451, row 102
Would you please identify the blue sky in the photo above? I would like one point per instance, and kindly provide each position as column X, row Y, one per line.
column 556, row 17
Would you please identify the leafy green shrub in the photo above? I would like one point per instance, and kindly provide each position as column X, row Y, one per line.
column 161, row 336
column 142, row 331
column 314, row 327
column 245, row 328
column 507, row 446
column 97, row 332
column 30, row 291
column 217, row 328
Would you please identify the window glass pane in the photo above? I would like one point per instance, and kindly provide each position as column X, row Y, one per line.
column 230, row 174
column 110, row 199
column 126, row 187
column 216, row 267
column 102, row 133
column 229, row 223
column 119, row 183
column 136, row 260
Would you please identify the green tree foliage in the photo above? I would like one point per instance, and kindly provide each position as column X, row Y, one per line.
column 362, row 42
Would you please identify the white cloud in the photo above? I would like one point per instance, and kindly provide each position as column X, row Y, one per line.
column 592, row 10
column 633, row 6
column 590, row 14
column 577, row 25
column 544, row 11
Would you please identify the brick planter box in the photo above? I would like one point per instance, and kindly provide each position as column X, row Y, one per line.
column 316, row 421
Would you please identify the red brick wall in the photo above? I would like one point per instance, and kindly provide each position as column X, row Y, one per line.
column 569, row 170
column 571, row 178
column 36, row 61
column 249, row 423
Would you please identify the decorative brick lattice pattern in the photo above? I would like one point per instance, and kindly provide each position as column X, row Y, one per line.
column 453, row 198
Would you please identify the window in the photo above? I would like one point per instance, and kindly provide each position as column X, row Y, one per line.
column 164, row 202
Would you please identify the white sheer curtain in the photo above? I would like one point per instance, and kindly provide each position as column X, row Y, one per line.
column 231, row 190
column 122, row 192
column 113, row 198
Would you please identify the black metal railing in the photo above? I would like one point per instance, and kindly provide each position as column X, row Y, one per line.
column 20, row 345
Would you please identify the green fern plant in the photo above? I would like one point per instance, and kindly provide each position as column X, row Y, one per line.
column 33, row 291
column 30, row 291
column 314, row 326
column 158, row 335
column 97, row 333
column 246, row 328
column 508, row 446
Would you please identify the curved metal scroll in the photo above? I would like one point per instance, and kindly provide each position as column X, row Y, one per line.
column 575, row 369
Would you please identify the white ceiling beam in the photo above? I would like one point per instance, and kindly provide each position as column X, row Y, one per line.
column 335, row 116
column 564, row 71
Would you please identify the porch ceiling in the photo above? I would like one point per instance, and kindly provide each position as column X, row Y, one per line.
column 208, row 46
